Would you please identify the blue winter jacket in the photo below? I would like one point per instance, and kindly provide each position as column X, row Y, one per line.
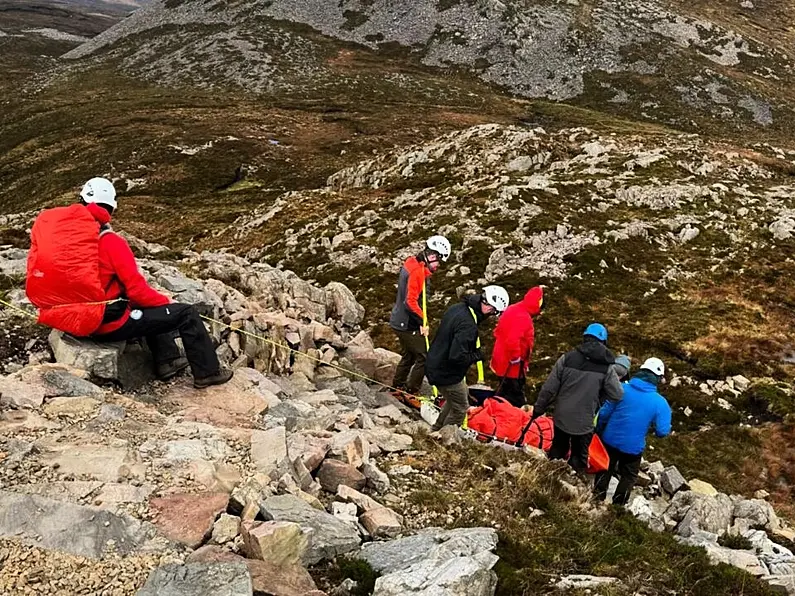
column 623, row 424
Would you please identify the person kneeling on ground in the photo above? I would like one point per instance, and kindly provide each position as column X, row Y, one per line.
column 134, row 309
column 514, row 337
column 456, row 347
column 623, row 427
column 581, row 381
column 408, row 318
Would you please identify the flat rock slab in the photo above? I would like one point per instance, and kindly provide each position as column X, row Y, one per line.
column 100, row 462
column 328, row 536
column 25, row 420
column 71, row 528
column 188, row 518
column 199, row 579
column 462, row 576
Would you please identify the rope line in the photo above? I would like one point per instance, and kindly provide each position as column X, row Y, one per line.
column 284, row 346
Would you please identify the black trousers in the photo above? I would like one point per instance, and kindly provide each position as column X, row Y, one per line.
column 411, row 368
column 158, row 326
column 563, row 442
column 624, row 465
column 513, row 391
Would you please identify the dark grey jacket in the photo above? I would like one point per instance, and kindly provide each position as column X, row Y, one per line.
column 581, row 381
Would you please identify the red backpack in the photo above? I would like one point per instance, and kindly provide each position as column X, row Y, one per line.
column 63, row 270
column 498, row 419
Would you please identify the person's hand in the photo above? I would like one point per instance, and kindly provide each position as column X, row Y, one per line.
column 527, row 408
column 424, row 331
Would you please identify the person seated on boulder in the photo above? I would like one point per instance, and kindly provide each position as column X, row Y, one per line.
column 579, row 383
column 514, row 337
column 409, row 317
column 132, row 308
column 456, row 347
column 623, row 427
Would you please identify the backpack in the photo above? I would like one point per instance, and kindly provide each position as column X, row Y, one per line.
column 63, row 270
column 498, row 419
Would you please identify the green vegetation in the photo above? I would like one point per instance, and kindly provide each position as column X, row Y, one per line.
column 487, row 486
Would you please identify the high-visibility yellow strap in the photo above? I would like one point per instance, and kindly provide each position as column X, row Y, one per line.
column 481, row 375
column 425, row 324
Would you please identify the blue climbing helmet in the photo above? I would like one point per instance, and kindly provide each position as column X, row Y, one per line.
column 597, row 330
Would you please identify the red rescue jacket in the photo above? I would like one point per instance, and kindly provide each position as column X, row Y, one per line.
column 119, row 274
column 515, row 335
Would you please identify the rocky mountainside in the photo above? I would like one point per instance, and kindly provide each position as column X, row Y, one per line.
column 149, row 488
column 684, row 64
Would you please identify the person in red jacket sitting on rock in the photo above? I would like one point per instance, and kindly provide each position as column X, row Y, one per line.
column 138, row 310
column 514, row 339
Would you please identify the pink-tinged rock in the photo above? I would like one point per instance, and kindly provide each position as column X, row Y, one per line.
column 332, row 473
column 277, row 542
column 382, row 522
column 267, row 578
column 188, row 518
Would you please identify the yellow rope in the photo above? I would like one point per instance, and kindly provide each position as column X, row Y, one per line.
column 27, row 313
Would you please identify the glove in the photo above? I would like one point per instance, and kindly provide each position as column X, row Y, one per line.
column 477, row 356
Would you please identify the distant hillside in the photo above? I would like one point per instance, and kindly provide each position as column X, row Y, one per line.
column 691, row 65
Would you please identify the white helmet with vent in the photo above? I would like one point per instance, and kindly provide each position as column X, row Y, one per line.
column 654, row 365
column 439, row 244
column 99, row 190
column 497, row 297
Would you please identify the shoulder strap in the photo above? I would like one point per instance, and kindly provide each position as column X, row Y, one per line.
column 105, row 229
column 481, row 375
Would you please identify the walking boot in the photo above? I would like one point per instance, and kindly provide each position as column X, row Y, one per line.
column 219, row 378
column 169, row 370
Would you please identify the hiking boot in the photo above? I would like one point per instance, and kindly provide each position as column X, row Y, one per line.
column 221, row 377
column 169, row 370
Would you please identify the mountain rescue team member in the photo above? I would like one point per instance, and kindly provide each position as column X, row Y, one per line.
column 623, row 427
column 409, row 317
column 581, row 381
column 513, row 345
column 455, row 349
column 142, row 311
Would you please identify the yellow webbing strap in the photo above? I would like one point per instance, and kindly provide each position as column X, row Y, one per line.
column 425, row 324
column 481, row 376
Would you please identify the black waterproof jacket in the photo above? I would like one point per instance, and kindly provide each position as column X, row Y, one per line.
column 454, row 348
column 581, row 381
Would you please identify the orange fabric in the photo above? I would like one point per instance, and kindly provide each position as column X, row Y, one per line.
column 514, row 336
column 418, row 273
column 498, row 419
column 63, row 270
column 598, row 459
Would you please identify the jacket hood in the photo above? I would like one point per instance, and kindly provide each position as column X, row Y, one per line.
column 533, row 299
column 639, row 383
column 412, row 263
column 473, row 302
column 98, row 213
column 647, row 378
column 596, row 351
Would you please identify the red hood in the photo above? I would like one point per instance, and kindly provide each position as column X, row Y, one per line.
column 412, row 263
column 533, row 299
column 99, row 213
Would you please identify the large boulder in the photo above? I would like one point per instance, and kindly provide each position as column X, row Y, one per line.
column 128, row 363
column 71, row 528
column 342, row 304
column 435, row 561
column 328, row 536
column 199, row 579
column 188, row 518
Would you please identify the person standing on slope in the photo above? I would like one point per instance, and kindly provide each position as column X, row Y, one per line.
column 409, row 315
column 581, row 381
column 514, row 338
column 623, row 427
column 128, row 306
column 456, row 347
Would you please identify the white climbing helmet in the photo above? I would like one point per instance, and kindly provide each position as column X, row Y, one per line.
column 99, row 190
column 439, row 244
column 654, row 365
column 497, row 297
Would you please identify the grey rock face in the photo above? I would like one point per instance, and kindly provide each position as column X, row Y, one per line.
column 78, row 530
column 199, row 579
column 328, row 536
